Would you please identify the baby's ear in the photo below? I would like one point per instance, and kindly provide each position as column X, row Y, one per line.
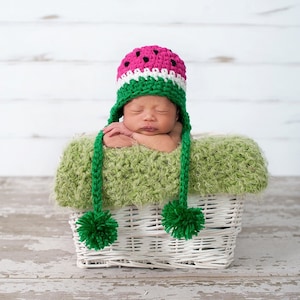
column 177, row 114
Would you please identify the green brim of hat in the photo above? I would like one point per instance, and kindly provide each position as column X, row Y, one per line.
column 148, row 86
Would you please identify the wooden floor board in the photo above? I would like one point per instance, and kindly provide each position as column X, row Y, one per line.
column 37, row 254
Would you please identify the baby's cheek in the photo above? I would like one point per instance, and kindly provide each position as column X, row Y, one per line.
column 130, row 123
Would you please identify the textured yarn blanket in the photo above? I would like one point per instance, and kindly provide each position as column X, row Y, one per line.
column 137, row 175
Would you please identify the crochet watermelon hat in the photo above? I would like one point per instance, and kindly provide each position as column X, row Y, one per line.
column 149, row 70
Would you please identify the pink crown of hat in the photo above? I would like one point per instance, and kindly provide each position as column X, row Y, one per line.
column 152, row 61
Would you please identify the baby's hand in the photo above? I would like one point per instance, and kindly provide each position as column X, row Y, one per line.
column 118, row 141
column 117, row 128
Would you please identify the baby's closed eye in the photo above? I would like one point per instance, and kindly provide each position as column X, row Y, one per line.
column 162, row 111
column 136, row 111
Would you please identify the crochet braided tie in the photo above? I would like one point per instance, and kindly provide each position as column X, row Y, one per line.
column 97, row 228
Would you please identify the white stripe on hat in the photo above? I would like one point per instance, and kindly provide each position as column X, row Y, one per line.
column 155, row 73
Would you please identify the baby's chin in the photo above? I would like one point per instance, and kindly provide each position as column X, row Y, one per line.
column 149, row 133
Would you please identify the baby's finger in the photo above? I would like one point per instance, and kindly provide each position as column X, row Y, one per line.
column 112, row 132
column 108, row 128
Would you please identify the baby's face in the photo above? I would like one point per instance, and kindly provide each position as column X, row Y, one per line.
column 150, row 115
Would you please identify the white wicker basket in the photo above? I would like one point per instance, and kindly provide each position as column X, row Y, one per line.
column 142, row 241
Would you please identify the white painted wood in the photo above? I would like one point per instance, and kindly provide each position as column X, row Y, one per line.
column 93, row 42
column 58, row 61
column 212, row 82
column 217, row 12
column 63, row 119
column 30, row 156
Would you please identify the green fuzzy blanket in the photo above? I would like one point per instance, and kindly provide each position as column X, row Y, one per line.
column 137, row 175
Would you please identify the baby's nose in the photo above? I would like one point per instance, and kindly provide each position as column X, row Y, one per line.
column 149, row 115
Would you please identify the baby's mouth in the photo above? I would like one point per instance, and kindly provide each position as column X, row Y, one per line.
column 148, row 129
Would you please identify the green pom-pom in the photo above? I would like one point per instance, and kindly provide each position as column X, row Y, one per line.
column 97, row 229
column 182, row 222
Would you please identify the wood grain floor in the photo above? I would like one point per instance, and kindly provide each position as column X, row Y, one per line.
column 37, row 255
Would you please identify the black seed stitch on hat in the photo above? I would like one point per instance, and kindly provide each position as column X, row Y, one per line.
column 173, row 62
column 146, row 59
column 126, row 64
column 155, row 51
column 137, row 53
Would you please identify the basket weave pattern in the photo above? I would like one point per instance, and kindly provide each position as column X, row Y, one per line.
column 142, row 241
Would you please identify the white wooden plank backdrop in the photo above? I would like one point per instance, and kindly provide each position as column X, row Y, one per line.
column 58, row 62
